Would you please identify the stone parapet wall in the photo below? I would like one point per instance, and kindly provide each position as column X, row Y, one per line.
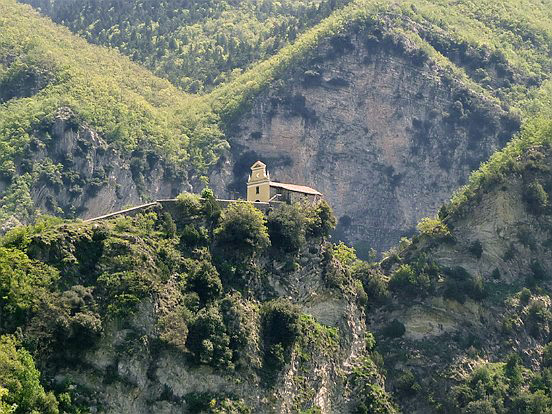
column 171, row 206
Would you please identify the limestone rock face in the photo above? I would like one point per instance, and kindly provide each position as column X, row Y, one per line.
column 446, row 336
column 80, row 175
column 385, row 137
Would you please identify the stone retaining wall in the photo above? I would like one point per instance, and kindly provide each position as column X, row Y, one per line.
column 171, row 205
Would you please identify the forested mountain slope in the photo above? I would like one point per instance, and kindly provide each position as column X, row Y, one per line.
column 201, row 310
column 356, row 106
column 385, row 108
column 232, row 311
column 196, row 44
column 83, row 130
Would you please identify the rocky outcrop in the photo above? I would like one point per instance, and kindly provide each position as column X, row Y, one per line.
column 71, row 171
column 500, row 237
column 376, row 126
column 286, row 334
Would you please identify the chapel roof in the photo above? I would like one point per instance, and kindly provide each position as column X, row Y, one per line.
column 296, row 188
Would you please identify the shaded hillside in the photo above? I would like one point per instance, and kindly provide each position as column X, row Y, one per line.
column 194, row 44
column 471, row 293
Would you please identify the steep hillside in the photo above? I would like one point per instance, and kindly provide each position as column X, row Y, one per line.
column 83, row 130
column 196, row 44
column 417, row 95
column 219, row 312
column 386, row 109
column 471, row 294
column 192, row 309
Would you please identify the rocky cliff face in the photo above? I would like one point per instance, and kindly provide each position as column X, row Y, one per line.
column 376, row 126
column 130, row 371
column 68, row 169
column 473, row 308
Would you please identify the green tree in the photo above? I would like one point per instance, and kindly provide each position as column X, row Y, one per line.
column 320, row 220
column 242, row 230
column 374, row 282
column 280, row 328
column 286, row 227
column 536, row 197
column 23, row 283
column 208, row 340
column 5, row 408
column 20, row 377
column 408, row 280
column 204, row 279
column 514, row 371
column 547, row 355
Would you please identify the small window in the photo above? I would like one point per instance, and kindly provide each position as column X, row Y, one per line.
column 257, row 190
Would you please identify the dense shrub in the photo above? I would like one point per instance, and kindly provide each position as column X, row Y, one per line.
column 374, row 283
column 476, row 248
column 540, row 318
column 320, row 220
column 168, row 226
column 280, row 328
column 525, row 296
column 5, row 408
column 433, row 227
column 174, row 327
column 374, row 400
column 23, row 283
column 410, row 282
column 539, row 273
column 407, row 384
column 193, row 236
column 210, row 207
column 208, row 340
column 535, row 196
column 78, row 322
column 65, row 322
column 499, row 388
column 345, row 255
column 513, row 370
column 212, row 403
column 242, row 230
column 189, row 205
column 395, row 329
column 547, row 355
column 287, row 228
column 203, row 279
column 460, row 284
column 22, row 380
column 360, row 293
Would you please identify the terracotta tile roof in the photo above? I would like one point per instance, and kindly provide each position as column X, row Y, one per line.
column 297, row 188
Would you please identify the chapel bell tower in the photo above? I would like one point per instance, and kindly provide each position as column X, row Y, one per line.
column 258, row 185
